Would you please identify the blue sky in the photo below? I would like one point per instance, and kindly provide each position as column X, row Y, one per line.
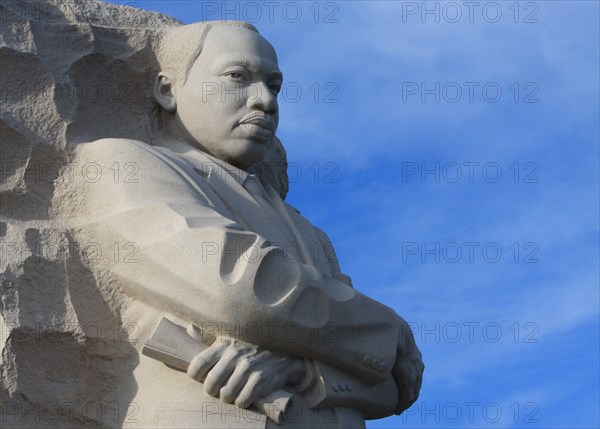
column 475, row 217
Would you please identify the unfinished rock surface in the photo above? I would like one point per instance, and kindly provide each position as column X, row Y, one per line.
column 71, row 71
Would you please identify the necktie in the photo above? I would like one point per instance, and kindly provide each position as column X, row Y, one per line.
column 254, row 187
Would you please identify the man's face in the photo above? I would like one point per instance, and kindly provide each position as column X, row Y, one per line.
column 228, row 105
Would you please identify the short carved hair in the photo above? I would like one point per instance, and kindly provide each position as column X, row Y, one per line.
column 181, row 46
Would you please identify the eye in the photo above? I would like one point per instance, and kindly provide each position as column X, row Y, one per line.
column 275, row 88
column 237, row 76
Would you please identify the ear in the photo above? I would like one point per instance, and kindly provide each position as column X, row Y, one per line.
column 164, row 91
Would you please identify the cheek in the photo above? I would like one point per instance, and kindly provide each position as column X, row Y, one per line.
column 191, row 103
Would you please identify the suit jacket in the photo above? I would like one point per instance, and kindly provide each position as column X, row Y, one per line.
column 209, row 244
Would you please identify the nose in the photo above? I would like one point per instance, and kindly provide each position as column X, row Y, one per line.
column 262, row 98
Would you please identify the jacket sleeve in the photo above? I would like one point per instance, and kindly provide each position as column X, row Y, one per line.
column 182, row 254
column 331, row 257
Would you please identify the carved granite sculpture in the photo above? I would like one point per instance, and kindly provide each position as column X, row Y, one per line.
column 213, row 302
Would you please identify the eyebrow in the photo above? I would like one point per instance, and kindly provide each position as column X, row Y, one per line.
column 250, row 65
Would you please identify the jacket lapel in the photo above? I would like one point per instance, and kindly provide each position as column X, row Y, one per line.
column 236, row 198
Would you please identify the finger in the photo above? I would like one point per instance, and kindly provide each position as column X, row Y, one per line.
column 219, row 374
column 405, row 387
column 236, row 381
column 205, row 360
column 251, row 391
column 417, row 388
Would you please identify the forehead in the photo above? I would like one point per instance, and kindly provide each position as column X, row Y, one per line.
column 227, row 44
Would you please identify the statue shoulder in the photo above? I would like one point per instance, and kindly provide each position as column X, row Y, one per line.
column 124, row 154
column 113, row 149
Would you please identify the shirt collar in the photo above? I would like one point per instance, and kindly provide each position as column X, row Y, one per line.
column 238, row 174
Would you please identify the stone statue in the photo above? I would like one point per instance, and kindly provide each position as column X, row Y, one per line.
column 230, row 308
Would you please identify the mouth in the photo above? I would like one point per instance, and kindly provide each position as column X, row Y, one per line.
column 260, row 120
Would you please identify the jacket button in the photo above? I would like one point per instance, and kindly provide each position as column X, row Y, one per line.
column 375, row 363
column 367, row 361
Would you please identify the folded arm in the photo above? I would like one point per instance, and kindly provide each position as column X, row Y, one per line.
column 192, row 260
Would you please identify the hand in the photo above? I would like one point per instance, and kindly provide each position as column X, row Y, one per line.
column 239, row 372
column 408, row 368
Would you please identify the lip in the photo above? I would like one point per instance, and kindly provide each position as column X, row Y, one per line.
column 259, row 119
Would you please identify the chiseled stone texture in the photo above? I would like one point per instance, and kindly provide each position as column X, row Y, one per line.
column 72, row 71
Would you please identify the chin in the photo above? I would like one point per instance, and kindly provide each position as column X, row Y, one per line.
column 246, row 155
